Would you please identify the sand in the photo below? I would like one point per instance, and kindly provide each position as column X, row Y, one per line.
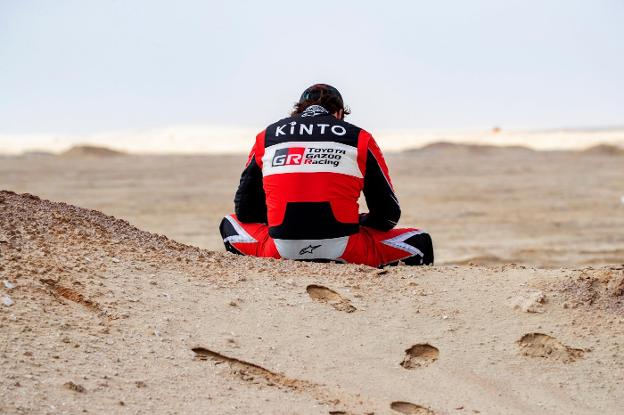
column 482, row 204
column 100, row 316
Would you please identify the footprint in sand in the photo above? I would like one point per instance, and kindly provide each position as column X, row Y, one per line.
column 410, row 408
column 258, row 375
column 325, row 295
column 543, row 345
column 420, row 355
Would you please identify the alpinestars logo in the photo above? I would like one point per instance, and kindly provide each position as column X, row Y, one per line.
column 295, row 156
column 309, row 249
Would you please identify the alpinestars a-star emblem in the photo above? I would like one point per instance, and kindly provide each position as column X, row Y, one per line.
column 308, row 249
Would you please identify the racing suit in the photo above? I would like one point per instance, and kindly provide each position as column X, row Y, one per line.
column 298, row 197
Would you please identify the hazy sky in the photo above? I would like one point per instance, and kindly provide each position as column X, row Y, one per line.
column 89, row 66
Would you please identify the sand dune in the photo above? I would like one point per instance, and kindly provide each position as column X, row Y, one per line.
column 91, row 151
column 604, row 149
column 469, row 149
column 102, row 317
column 443, row 147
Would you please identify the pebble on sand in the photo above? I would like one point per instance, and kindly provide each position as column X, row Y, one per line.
column 6, row 300
column 8, row 285
column 532, row 303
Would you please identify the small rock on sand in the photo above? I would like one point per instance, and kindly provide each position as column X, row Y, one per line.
column 531, row 303
column 6, row 300
column 74, row 387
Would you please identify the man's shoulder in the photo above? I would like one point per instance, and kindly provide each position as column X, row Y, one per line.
column 353, row 127
column 348, row 124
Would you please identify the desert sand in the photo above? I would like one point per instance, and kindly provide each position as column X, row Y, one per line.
column 482, row 204
column 523, row 313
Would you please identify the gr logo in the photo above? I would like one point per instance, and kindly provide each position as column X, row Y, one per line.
column 288, row 156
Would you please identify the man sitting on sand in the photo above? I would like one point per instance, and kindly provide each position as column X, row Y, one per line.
column 298, row 195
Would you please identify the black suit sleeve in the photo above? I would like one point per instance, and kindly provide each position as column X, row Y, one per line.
column 250, row 200
column 383, row 206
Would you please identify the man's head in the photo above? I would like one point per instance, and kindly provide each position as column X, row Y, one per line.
column 324, row 95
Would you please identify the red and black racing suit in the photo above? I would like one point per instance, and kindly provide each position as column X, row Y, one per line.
column 298, row 197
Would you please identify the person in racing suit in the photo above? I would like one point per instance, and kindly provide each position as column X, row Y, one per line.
column 298, row 194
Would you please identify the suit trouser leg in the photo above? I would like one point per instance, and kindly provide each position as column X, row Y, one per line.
column 378, row 248
column 247, row 238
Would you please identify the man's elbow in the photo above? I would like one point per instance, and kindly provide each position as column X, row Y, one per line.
column 251, row 214
column 383, row 222
column 244, row 215
column 392, row 219
column 395, row 216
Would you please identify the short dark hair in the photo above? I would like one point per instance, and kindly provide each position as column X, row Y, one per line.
column 321, row 94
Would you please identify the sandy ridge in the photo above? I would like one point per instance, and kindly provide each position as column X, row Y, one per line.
column 108, row 318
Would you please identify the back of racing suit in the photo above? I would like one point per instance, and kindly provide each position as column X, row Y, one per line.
column 298, row 197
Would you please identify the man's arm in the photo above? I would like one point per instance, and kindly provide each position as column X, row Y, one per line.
column 383, row 206
column 250, row 200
